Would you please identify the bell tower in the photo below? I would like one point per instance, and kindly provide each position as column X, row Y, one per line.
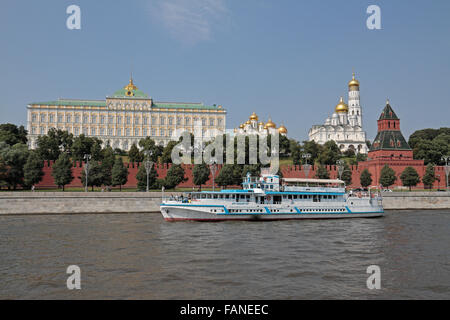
column 354, row 102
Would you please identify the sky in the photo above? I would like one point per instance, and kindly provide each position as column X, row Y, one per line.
column 289, row 60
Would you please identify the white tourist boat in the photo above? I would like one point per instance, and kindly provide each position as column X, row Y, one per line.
column 270, row 198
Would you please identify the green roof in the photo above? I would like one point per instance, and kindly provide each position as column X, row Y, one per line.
column 70, row 102
column 175, row 105
column 388, row 113
column 137, row 94
column 390, row 140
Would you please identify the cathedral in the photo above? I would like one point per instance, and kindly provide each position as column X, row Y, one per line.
column 253, row 127
column 344, row 126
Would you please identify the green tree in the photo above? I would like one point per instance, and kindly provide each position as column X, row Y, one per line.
column 330, row 153
column 14, row 159
column 148, row 144
column 50, row 146
column 134, row 154
column 12, row 134
column 141, row 178
column 410, row 178
column 429, row 177
column 167, row 152
column 387, row 176
column 322, row 172
column 175, row 176
column 313, row 148
column 200, row 174
column 62, row 170
column 96, row 175
column 226, row 176
column 365, row 178
column 119, row 175
column 347, row 175
column 33, row 173
column 83, row 145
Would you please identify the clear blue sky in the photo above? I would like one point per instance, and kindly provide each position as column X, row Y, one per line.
column 290, row 60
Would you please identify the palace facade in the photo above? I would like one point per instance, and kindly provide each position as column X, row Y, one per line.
column 344, row 126
column 125, row 118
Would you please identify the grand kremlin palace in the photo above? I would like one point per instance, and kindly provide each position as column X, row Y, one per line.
column 124, row 118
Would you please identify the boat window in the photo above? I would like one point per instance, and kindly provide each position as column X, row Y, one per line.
column 203, row 196
column 215, row 196
column 209, row 196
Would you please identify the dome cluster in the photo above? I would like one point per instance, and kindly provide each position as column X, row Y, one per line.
column 253, row 126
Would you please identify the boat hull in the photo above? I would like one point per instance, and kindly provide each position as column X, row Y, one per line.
column 203, row 213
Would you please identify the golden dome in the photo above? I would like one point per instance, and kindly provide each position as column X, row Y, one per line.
column 254, row 117
column 248, row 122
column 282, row 130
column 342, row 106
column 270, row 124
column 353, row 82
column 261, row 124
column 241, row 126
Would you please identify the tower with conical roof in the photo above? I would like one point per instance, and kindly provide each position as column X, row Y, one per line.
column 389, row 142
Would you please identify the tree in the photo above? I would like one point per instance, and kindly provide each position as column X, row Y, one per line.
column 149, row 144
column 134, row 154
column 12, row 135
column 14, row 159
column 33, row 173
column 167, row 152
column 387, row 176
column 200, row 174
column 410, row 177
column 429, row 177
column 50, row 146
column 119, row 174
column 141, row 178
column 322, row 173
column 347, row 175
column 330, row 153
column 83, row 145
column 62, row 170
column 96, row 175
column 175, row 176
column 365, row 178
column 226, row 176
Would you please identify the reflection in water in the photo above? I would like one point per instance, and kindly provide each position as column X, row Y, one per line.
column 143, row 257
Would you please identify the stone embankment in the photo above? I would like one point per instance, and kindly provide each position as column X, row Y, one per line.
column 16, row 203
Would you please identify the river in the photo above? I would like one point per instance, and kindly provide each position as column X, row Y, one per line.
column 140, row 256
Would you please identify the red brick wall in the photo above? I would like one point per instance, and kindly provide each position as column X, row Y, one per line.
column 289, row 171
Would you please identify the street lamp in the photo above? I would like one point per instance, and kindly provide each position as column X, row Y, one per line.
column 87, row 157
column 212, row 167
column 306, row 166
column 148, row 165
column 446, row 160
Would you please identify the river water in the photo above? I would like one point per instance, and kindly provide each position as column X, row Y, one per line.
column 140, row 256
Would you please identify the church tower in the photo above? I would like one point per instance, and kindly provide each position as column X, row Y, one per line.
column 355, row 112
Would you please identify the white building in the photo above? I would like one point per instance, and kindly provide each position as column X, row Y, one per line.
column 253, row 127
column 344, row 126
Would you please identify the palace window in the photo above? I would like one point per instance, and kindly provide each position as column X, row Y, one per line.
column 102, row 131
column 128, row 120
column 125, row 145
column 85, row 119
column 33, row 117
column 119, row 132
column 145, row 132
column 220, row 121
column 153, row 132
column 33, row 130
column 119, row 119
column 161, row 132
column 178, row 121
column 42, row 130
column 77, row 119
column 145, row 120
column 211, row 122
column 162, row 120
column 127, row 132
column 136, row 120
column 93, row 131
column 110, row 119
column 68, row 118
column 85, row 131
column 110, row 131
column 170, row 120
column 203, row 122
column 52, row 118
column 77, row 131
column 186, row 121
column 42, row 118
column 102, row 119
column 153, row 120
column 136, row 132
column 93, row 119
